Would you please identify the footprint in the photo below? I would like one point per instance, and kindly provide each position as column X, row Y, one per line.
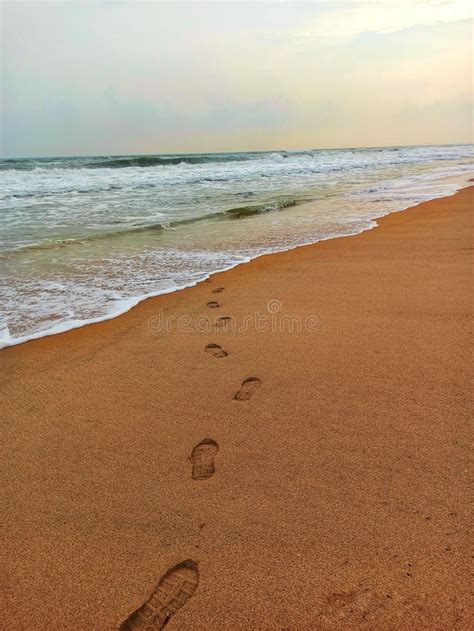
column 213, row 304
column 216, row 350
column 174, row 589
column 247, row 388
column 202, row 458
column 217, row 290
column 223, row 322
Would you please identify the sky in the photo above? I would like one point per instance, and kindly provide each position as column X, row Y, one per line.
column 83, row 77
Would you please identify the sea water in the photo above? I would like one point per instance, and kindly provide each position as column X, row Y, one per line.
column 85, row 239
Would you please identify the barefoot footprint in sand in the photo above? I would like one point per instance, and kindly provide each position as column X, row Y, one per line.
column 216, row 350
column 174, row 589
column 217, row 290
column 202, row 458
column 248, row 387
column 213, row 304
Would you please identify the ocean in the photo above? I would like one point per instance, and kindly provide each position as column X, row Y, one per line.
column 84, row 239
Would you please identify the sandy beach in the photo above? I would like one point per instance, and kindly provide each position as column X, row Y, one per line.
column 334, row 490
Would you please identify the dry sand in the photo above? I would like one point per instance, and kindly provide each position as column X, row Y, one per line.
column 340, row 493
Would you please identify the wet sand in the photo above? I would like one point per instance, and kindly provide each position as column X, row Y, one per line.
column 334, row 492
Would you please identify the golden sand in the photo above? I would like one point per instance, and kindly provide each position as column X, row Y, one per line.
column 333, row 490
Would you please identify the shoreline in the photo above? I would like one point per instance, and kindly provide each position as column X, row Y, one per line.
column 460, row 181
column 339, row 498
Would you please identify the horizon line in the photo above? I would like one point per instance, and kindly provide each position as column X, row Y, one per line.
column 197, row 153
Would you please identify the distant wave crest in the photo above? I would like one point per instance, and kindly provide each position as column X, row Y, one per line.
column 154, row 161
column 123, row 162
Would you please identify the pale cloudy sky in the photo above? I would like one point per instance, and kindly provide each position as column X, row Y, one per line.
column 85, row 77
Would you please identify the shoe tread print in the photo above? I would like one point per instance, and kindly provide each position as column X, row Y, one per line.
column 175, row 588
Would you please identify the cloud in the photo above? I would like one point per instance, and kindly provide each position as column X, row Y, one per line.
column 345, row 20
